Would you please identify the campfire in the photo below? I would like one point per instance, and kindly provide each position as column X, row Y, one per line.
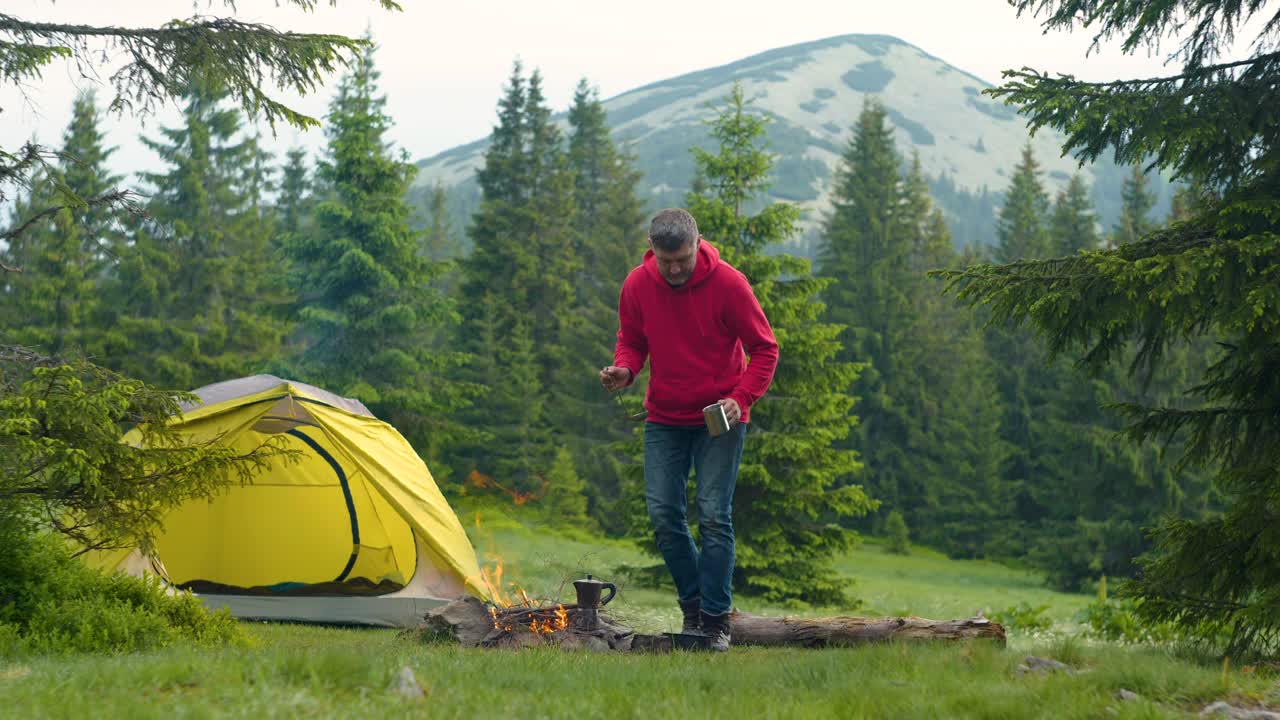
column 517, row 620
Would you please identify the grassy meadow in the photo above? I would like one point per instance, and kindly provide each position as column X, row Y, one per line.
column 307, row 671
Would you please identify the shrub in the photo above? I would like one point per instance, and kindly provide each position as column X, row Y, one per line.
column 1024, row 616
column 53, row 603
column 1118, row 620
column 895, row 526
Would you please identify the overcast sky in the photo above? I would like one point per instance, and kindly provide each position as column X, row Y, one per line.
column 443, row 64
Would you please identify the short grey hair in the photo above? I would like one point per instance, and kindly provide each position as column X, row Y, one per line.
column 672, row 229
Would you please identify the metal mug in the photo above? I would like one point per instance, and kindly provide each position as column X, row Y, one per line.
column 717, row 421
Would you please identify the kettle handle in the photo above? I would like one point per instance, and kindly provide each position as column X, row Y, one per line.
column 613, row 590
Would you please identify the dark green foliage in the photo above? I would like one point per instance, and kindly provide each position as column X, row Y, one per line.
column 1213, row 274
column 953, row 415
column 794, row 486
column 1079, row 498
column 368, row 309
column 865, row 258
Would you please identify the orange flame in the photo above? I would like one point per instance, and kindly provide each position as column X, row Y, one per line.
column 493, row 580
column 546, row 627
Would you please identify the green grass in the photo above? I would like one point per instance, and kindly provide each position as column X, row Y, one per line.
column 305, row 671
column 914, row 585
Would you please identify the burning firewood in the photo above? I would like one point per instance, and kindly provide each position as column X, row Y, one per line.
column 473, row 623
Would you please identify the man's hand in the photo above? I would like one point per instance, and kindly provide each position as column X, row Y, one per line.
column 731, row 411
column 614, row 377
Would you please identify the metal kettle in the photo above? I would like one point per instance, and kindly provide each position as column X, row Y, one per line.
column 589, row 591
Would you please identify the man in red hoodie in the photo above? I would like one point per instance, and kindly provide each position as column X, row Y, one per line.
column 696, row 319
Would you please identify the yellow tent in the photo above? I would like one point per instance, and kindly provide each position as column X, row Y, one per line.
column 354, row 532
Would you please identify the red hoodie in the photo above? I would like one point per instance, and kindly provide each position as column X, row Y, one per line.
column 695, row 336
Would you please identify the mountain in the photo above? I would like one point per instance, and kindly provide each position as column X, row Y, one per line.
column 968, row 144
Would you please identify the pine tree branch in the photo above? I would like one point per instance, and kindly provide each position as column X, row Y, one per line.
column 1148, row 23
column 121, row 198
column 1197, row 73
column 1203, row 123
column 163, row 60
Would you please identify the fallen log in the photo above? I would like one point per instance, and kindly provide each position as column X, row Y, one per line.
column 472, row 623
column 824, row 631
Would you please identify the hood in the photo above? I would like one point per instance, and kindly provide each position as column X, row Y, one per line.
column 708, row 262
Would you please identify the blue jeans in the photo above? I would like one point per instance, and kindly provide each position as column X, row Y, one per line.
column 669, row 453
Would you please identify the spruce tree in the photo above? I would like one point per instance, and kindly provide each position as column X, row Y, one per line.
column 548, row 220
column 1073, row 226
column 946, row 388
column 1136, row 203
column 794, row 487
column 52, row 305
column 865, row 256
column 609, row 239
column 927, row 431
column 1212, row 275
column 192, row 299
column 518, row 290
column 368, row 306
column 440, row 242
column 1020, row 227
column 293, row 206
